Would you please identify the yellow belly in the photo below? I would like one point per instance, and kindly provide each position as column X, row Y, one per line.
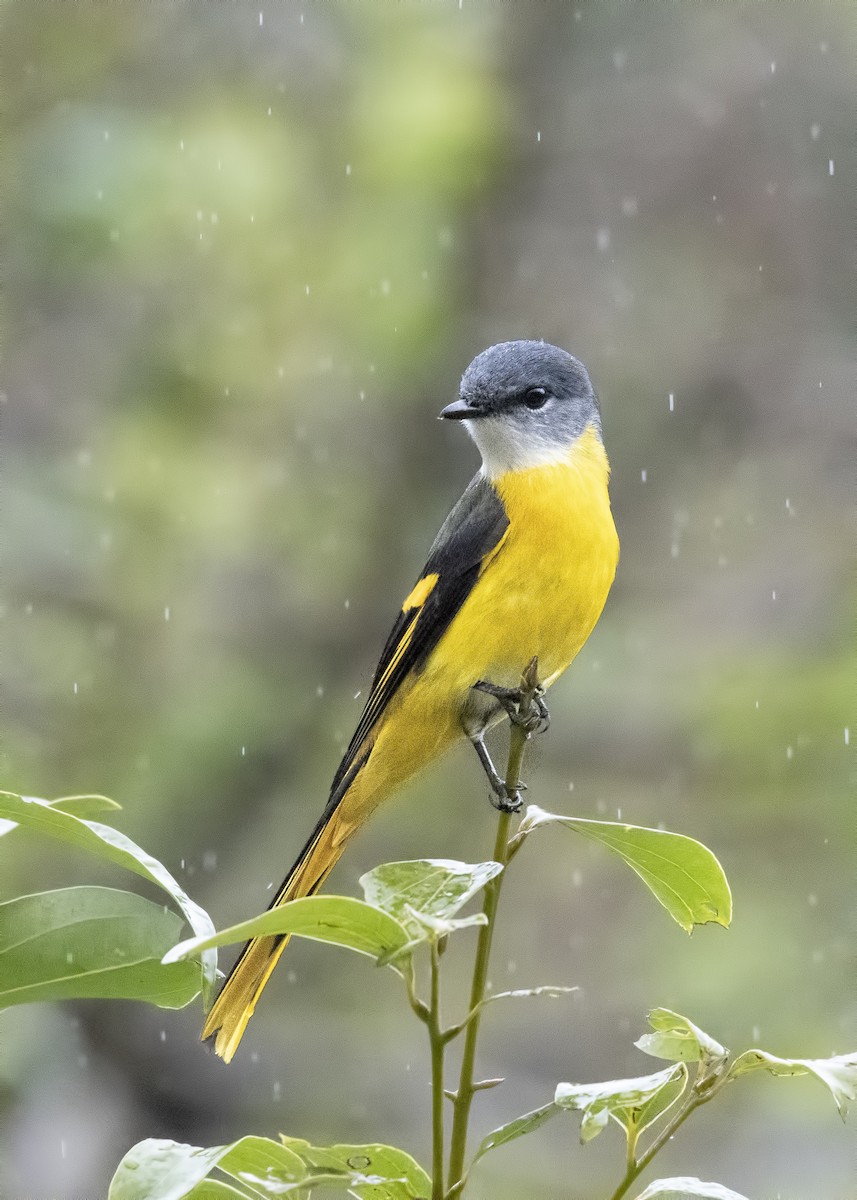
column 544, row 590
column 541, row 593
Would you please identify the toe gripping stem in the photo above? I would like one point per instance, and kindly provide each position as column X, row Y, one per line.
column 526, row 708
column 525, row 705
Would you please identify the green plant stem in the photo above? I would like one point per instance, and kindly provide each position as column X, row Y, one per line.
column 466, row 1090
column 632, row 1135
column 438, row 1048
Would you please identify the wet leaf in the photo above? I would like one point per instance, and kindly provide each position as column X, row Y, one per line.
column 679, row 1040
column 109, row 844
column 681, row 1187
column 680, row 872
column 389, row 1173
column 551, row 991
column 216, row 1189
column 632, row 1103
column 341, row 920
column 434, row 888
column 517, row 1128
column 839, row 1073
column 157, row 1169
column 78, row 806
column 90, row 942
column 438, row 927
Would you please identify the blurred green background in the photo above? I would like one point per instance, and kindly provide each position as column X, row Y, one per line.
column 249, row 251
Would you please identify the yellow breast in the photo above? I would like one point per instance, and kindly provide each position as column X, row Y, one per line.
column 543, row 589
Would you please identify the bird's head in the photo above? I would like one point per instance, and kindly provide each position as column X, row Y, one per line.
column 524, row 404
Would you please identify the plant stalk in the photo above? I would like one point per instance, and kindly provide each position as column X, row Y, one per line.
column 464, row 1096
column 438, row 1048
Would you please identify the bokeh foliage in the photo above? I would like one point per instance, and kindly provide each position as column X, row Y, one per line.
column 248, row 253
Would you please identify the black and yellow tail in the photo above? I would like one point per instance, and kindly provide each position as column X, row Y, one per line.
column 239, row 995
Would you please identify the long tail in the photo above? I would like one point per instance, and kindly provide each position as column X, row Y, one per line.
column 240, row 993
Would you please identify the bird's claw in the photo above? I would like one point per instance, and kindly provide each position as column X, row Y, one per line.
column 525, row 708
column 508, row 802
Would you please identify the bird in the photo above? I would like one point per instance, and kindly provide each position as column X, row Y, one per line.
column 520, row 569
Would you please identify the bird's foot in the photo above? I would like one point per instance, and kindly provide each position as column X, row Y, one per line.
column 501, row 797
column 524, row 706
column 505, row 800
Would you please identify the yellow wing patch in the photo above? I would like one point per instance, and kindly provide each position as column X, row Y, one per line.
column 421, row 593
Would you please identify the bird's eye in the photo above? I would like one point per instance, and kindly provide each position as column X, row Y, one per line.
column 535, row 397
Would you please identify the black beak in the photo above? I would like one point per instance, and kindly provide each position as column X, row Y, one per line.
column 459, row 410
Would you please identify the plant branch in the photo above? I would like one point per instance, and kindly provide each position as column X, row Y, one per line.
column 703, row 1090
column 466, row 1090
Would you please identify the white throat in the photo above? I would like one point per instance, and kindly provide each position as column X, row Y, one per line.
column 503, row 449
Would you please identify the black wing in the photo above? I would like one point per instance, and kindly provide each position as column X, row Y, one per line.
column 473, row 529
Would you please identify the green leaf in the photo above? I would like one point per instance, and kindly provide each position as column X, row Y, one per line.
column 108, row 843
column 517, row 1128
column 216, row 1189
column 632, row 1103
column 550, row 990
column 679, row 1040
column 432, row 888
column 686, row 1186
column 438, row 927
column 90, row 942
column 839, row 1073
column 680, row 872
column 78, row 806
column 341, row 920
column 663, row 1099
column 389, row 1173
column 157, row 1169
